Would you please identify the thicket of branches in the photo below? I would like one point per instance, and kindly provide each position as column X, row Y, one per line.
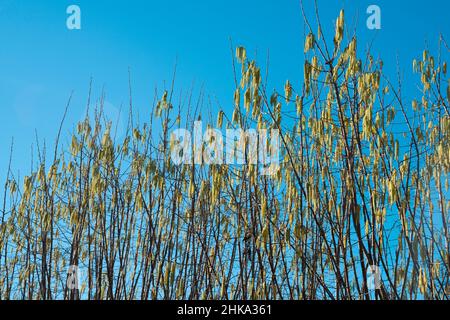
column 363, row 181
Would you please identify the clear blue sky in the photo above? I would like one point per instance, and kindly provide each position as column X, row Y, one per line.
column 41, row 61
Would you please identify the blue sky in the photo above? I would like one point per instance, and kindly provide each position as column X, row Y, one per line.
column 41, row 61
